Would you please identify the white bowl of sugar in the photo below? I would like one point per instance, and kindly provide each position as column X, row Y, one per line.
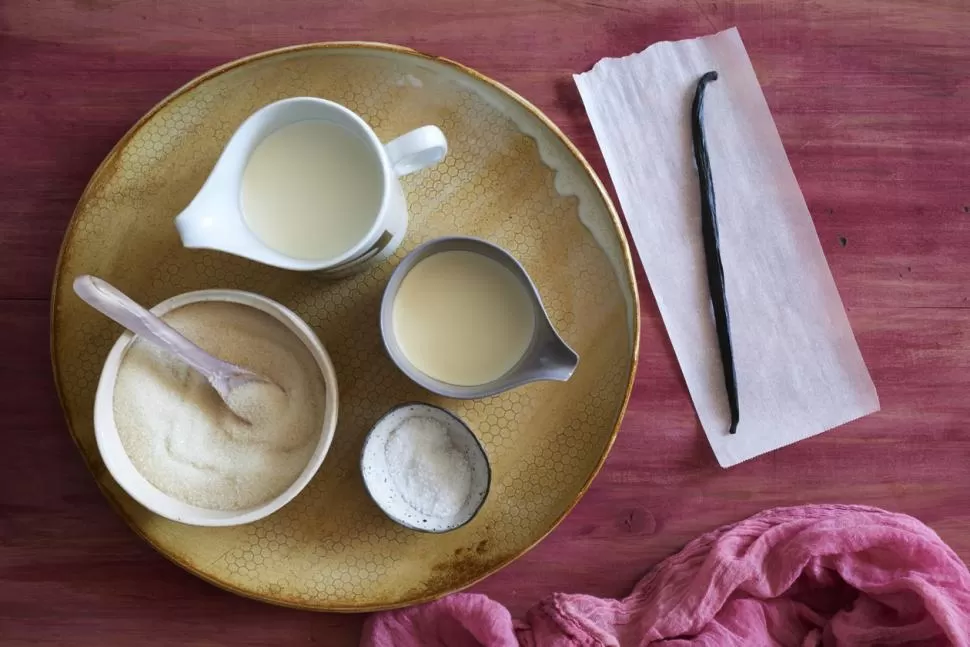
column 171, row 444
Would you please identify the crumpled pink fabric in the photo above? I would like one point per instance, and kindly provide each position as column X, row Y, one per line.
column 802, row 576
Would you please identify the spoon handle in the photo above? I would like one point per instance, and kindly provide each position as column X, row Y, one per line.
column 111, row 302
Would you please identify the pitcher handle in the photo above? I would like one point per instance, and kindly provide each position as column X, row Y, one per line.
column 418, row 149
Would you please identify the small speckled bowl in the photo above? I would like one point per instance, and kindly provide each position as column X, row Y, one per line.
column 373, row 467
column 131, row 480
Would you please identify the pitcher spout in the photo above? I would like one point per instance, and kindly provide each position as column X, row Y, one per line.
column 209, row 224
column 213, row 219
column 198, row 229
column 555, row 360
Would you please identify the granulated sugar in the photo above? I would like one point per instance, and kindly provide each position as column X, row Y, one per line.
column 429, row 471
column 184, row 439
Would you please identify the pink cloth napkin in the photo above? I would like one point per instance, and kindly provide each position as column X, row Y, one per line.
column 811, row 575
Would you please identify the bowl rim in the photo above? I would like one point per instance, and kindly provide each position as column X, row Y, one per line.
column 105, row 427
column 461, row 423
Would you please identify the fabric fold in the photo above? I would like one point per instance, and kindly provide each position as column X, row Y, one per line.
column 818, row 575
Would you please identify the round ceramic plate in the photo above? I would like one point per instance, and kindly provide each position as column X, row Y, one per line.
column 510, row 177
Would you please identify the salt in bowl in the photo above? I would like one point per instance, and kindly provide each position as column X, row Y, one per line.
column 379, row 483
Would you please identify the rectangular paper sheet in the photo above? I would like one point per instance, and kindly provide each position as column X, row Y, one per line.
column 799, row 368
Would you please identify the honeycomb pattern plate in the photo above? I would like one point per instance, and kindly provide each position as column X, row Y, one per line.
column 510, row 177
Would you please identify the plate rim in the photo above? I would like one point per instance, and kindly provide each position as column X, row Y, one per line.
column 71, row 230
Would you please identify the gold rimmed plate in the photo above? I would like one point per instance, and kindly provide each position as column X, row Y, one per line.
column 511, row 178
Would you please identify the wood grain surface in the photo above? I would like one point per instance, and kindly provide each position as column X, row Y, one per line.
column 872, row 100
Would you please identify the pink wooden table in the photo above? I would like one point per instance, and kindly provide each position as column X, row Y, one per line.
column 872, row 101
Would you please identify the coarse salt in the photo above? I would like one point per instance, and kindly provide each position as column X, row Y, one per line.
column 430, row 472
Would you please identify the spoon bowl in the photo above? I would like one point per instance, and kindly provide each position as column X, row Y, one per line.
column 224, row 377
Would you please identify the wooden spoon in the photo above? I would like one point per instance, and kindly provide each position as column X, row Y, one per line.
column 223, row 376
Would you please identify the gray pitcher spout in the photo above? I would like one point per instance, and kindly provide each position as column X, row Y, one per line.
column 547, row 358
column 554, row 360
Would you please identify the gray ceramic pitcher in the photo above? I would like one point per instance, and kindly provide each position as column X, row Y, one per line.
column 548, row 357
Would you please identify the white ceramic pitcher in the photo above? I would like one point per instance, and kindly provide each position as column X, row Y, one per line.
column 214, row 219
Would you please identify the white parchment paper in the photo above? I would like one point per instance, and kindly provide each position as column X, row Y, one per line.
column 798, row 365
